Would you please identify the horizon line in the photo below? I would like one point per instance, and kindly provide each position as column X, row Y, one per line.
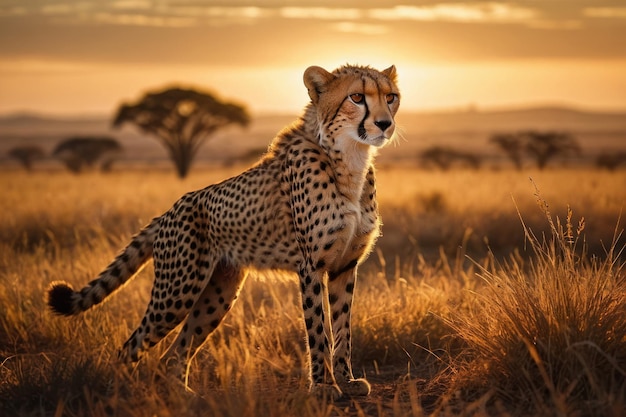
column 468, row 108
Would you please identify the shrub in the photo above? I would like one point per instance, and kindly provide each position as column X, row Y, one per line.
column 549, row 334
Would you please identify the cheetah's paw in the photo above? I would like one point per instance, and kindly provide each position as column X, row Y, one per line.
column 356, row 387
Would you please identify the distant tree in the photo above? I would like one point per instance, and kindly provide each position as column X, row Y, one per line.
column 181, row 120
column 79, row 153
column 26, row 155
column 439, row 156
column 444, row 157
column 469, row 159
column 512, row 145
column 611, row 161
column 544, row 146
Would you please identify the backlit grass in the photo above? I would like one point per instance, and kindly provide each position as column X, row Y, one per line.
column 464, row 307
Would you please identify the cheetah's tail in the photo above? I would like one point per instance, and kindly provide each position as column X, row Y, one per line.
column 64, row 300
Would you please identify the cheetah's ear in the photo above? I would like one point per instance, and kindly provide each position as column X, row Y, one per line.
column 315, row 80
column 391, row 73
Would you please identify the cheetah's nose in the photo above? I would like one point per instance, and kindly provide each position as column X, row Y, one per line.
column 383, row 124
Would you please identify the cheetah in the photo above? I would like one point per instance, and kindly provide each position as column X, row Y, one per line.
column 307, row 206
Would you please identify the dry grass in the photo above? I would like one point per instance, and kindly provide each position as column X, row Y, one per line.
column 549, row 334
column 536, row 326
column 428, row 211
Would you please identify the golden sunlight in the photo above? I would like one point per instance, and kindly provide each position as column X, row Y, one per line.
column 87, row 57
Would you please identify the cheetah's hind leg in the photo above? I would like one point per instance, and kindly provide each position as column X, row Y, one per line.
column 210, row 308
column 174, row 293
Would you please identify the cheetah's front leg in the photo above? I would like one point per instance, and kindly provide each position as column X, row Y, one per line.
column 341, row 289
column 318, row 347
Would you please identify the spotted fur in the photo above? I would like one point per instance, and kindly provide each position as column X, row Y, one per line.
column 308, row 206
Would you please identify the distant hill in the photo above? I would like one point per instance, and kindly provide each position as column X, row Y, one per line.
column 466, row 130
column 29, row 117
column 540, row 118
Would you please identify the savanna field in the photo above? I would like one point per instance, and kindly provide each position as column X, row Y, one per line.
column 497, row 287
column 490, row 293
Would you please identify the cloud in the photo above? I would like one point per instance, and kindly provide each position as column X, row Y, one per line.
column 548, row 24
column 35, row 66
column 199, row 32
column 325, row 13
column 360, row 28
column 13, row 11
column 225, row 12
column 72, row 8
column 132, row 4
column 368, row 19
column 144, row 20
column 492, row 12
column 467, row 12
column 605, row 12
column 54, row 9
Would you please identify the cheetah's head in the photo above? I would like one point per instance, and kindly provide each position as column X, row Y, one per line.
column 354, row 102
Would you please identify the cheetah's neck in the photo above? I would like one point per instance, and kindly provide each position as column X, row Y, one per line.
column 349, row 159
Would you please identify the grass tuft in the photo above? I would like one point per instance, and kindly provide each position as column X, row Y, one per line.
column 549, row 334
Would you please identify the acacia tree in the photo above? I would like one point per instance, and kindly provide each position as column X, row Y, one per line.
column 512, row 145
column 182, row 120
column 544, row 146
column 80, row 152
column 541, row 146
column 611, row 161
column 26, row 155
column 444, row 157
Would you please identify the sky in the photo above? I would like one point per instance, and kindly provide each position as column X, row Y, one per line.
column 88, row 57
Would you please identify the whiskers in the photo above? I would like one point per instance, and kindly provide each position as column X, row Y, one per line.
column 398, row 135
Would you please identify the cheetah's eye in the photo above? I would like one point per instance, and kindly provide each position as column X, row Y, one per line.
column 391, row 98
column 357, row 98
